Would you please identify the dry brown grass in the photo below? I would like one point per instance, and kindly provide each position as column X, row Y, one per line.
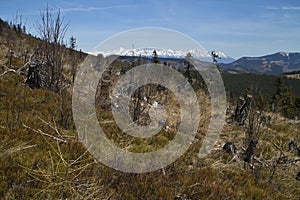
column 36, row 166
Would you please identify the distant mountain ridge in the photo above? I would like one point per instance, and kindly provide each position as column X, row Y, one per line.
column 167, row 53
column 273, row 64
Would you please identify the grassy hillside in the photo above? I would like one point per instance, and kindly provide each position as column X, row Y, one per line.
column 37, row 166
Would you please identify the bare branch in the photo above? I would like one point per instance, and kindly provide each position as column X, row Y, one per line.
column 277, row 147
column 45, row 134
column 8, row 71
column 50, row 125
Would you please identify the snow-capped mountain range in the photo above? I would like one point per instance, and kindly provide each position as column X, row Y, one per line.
column 167, row 53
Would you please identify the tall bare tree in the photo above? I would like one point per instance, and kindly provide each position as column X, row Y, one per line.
column 52, row 30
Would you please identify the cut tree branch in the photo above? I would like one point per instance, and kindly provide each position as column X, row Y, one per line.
column 45, row 134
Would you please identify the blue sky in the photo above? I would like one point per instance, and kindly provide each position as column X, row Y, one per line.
column 236, row 27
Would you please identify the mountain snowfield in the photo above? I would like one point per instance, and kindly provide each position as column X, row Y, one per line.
column 166, row 53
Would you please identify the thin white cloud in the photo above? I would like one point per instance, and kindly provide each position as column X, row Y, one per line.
column 77, row 9
column 285, row 8
column 88, row 9
column 291, row 8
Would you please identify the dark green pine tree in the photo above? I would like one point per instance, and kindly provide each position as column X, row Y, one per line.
column 72, row 42
column 188, row 67
column 287, row 103
column 277, row 96
column 74, row 60
column 155, row 58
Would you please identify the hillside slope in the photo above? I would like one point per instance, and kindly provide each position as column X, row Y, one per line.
column 273, row 64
